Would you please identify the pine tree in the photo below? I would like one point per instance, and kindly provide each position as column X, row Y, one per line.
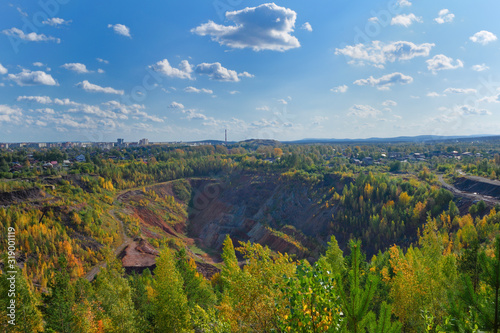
column 356, row 300
column 58, row 303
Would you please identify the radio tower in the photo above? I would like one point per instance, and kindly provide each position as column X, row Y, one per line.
column 225, row 133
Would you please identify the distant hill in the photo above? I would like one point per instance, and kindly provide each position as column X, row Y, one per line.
column 419, row 138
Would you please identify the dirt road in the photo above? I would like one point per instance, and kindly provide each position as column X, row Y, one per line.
column 473, row 196
column 125, row 242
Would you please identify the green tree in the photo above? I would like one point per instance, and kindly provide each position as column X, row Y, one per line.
column 28, row 317
column 357, row 291
column 171, row 304
column 114, row 294
column 58, row 302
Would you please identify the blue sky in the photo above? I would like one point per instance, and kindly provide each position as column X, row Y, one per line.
column 186, row 70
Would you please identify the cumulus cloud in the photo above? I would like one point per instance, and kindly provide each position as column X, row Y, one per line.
column 444, row 16
column 340, row 89
column 90, row 87
column 468, row 110
column 246, row 74
column 65, row 101
column 384, row 82
column 363, row 111
column 176, row 105
column 216, row 72
column 389, row 103
column 10, row 114
column 3, row 70
column 38, row 64
column 405, row 19
column 234, row 92
column 56, row 21
column 404, row 3
column 433, row 94
column 46, row 111
column 460, row 91
column 265, row 27
column 307, row 26
column 76, row 67
column 196, row 90
column 36, row 99
column 378, row 53
column 103, row 61
column 29, row 78
column 282, row 101
column 120, row 29
column 480, row 67
column 31, row 37
column 441, row 62
column 192, row 114
column 183, row 72
column 483, row 37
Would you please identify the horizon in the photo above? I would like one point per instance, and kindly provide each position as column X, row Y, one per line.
column 331, row 70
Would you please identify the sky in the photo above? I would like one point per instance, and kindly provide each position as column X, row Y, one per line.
column 286, row 70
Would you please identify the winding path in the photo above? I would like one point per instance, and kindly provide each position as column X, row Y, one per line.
column 126, row 240
column 473, row 196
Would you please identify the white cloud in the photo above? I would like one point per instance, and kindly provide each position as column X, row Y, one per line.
column 31, row 37
column 36, row 99
column 10, row 114
column 183, row 72
column 384, row 82
column 404, row 3
column 340, row 89
column 216, row 72
column 318, row 120
column 373, row 19
column 100, row 71
column 3, row 70
column 196, row 90
column 263, row 108
column 483, row 37
column 379, row 53
column 192, row 114
column 480, row 68
column 444, row 16
column 307, row 26
column 102, row 60
column 405, row 19
column 38, row 64
column 76, row 67
column 363, row 111
column 441, row 62
column 460, row 91
column 433, row 94
column 234, row 92
column 282, row 101
column 29, row 78
column 65, row 101
column 266, row 27
column 40, row 123
column 90, row 87
column 120, row 29
column 56, row 21
column 468, row 110
column 246, row 74
column 46, row 111
column 176, row 105
column 389, row 103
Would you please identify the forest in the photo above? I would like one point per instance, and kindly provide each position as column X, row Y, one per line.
column 382, row 239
